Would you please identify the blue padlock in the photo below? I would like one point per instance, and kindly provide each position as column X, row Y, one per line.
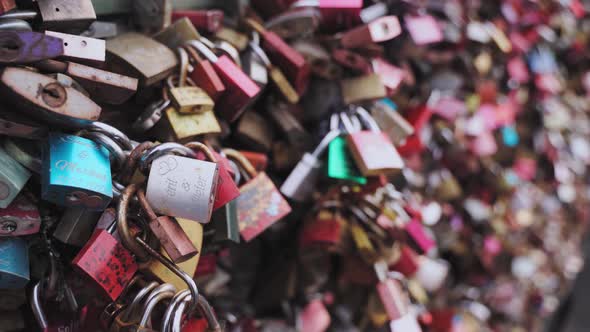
column 14, row 263
column 76, row 172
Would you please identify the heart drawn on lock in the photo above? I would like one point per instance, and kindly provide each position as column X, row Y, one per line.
column 167, row 165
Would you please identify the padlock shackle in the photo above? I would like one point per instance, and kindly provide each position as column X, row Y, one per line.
column 150, row 305
column 255, row 25
column 134, row 304
column 36, row 306
column 182, row 66
column 145, row 205
column 241, row 161
column 259, row 52
column 171, row 309
column 123, row 227
column 11, row 24
column 152, row 114
column 112, row 132
column 163, row 149
column 203, row 148
column 347, row 123
column 229, row 50
column 325, row 142
column 204, row 308
column 20, row 15
column 172, row 267
column 116, row 153
column 130, row 165
column 200, row 47
column 368, row 119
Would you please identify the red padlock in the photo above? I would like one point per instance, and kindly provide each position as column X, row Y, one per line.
column 291, row 62
column 380, row 30
column 240, row 92
column 204, row 75
column 107, row 262
column 208, row 20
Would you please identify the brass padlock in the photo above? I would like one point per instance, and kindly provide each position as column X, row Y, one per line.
column 362, row 88
column 177, row 34
column 137, row 55
column 188, row 98
column 66, row 15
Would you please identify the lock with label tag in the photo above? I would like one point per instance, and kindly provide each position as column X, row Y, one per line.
column 13, row 177
column 20, row 218
column 179, row 186
column 172, row 238
column 187, row 98
column 76, row 226
column 14, row 266
column 260, row 203
column 296, row 69
column 377, row 31
column 372, row 150
column 255, row 132
column 300, row 184
column 151, row 15
column 27, row 46
column 137, row 55
column 76, row 172
column 362, row 88
column 240, row 91
column 204, row 76
column 277, row 76
column 81, row 48
column 207, row 20
column 340, row 163
column 102, row 85
column 64, row 15
column 106, row 262
column 54, row 102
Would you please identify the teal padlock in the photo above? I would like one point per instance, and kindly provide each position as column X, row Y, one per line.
column 13, row 177
column 14, row 263
column 341, row 166
column 76, row 172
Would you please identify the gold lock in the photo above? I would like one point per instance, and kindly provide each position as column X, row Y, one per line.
column 237, row 39
column 362, row 88
column 188, row 98
column 194, row 231
column 178, row 33
column 183, row 127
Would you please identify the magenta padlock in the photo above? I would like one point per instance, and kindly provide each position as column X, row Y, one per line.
column 380, row 30
column 240, row 90
column 336, row 14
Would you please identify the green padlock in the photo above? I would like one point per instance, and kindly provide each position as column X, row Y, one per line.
column 340, row 163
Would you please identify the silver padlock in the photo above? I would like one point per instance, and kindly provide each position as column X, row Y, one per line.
column 182, row 187
column 300, row 183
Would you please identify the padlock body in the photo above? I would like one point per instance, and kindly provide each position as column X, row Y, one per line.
column 374, row 153
column 21, row 217
column 76, row 172
column 340, row 14
column 14, row 265
column 107, row 263
column 204, row 75
column 225, row 224
column 173, row 239
column 190, row 99
column 340, row 163
column 183, row 127
column 65, row 15
column 13, row 177
column 240, row 91
column 208, row 20
column 300, row 184
column 76, row 226
column 182, row 187
column 291, row 62
column 194, row 231
column 260, row 205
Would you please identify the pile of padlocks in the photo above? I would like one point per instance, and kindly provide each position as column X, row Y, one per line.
column 284, row 165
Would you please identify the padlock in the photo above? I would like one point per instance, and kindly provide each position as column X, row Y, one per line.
column 284, row 118
column 177, row 127
column 76, row 172
column 284, row 56
column 20, row 218
column 14, row 266
column 80, row 48
column 76, row 226
column 340, row 163
column 254, row 68
column 58, row 320
column 407, row 323
column 240, row 91
column 423, row 29
column 335, row 14
column 260, row 203
column 151, row 15
column 54, row 103
column 294, row 23
column 177, row 34
column 300, row 184
column 207, row 20
column 255, row 132
column 224, row 224
column 419, row 236
column 362, row 243
column 188, row 98
column 144, row 324
column 172, row 238
column 63, row 15
column 27, row 46
column 325, row 228
column 372, row 150
column 13, row 177
column 181, row 187
column 395, row 301
column 15, row 125
column 106, row 262
column 391, row 122
column 277, row 76
column 204, row 75
column 137, row 55
column 234, row 37
column 377, row 31
column 362, row 88
column 122, row 314
column 352, row 61
column 102, row 85
column 431, row 273
column 181, row 307
column 391, row 76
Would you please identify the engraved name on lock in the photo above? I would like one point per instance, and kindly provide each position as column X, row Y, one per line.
column 182, row 187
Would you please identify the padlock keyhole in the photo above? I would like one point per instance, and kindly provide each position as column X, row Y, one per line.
column 53, row 94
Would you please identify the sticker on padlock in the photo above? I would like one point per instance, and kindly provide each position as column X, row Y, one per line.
column 260, row 203
column 182, row 187
column 76, row 172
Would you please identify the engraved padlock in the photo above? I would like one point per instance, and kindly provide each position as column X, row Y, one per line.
column 180, row 186
column 76, row 172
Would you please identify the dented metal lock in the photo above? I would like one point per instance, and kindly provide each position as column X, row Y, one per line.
column 76, row 172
